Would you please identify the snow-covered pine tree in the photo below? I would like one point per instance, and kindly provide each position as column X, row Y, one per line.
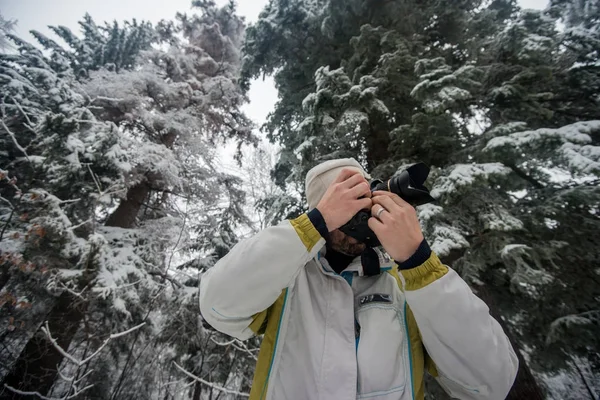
column 444, row 88
column 357, row 52
column 512, row 250
column 6, row 26
column 106, row 169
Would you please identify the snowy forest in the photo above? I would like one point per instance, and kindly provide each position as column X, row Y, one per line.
column 114, row 199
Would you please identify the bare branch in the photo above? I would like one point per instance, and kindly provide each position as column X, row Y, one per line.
column 46, row 330
column 7, row 202
column 87, row 221
column 84, row 376
column 77, row 362
column 71, row 291
column 38, row 394
column 94, row 178
column 29, row 124
column 222, row 344
column 210, row 385
column 113, row 336
column 12, row 136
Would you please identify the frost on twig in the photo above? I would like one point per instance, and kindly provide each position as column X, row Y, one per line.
column 39, row 395
column 238, row 345
column 77, row 362
column 209, row 384
column 13, row 137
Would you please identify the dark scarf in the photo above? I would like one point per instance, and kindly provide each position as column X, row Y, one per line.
column 337, row 260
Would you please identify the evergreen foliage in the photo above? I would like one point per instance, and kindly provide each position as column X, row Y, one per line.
column 113, row 199
column 110, row 185
column 502, row 103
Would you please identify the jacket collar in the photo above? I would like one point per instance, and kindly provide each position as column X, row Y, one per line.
column 355, row 265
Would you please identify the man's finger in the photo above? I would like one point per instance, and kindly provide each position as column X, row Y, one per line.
column 354, row 180
column 360, row 190
column 375, row 225
column 379, row 212
column 397, row 199
column 386, row 202
column 365, row 204
column 346, row 173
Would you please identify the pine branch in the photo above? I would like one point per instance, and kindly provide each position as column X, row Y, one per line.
column 523, row 175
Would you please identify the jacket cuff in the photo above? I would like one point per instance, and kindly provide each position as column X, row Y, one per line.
column 418, row 258
column 426, row 273
column 306, row 231
column 318, row 221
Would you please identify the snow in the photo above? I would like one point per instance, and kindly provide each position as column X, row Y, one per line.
column 304, row 145
column 428, row 211
column 351, row 120
column 582, row 159
column 157, row 158
column 535, row 45
column 309, row 102
column 447, row 238
column 501, row 220
column 571, row 384
column 306, row 123
column 551, row 223
column 506, row 250
column 518, row 195
column 577, row 133
column 68, row 274
column 508, row 128
column 524, row 278
column 464, row 175
column 378, row 106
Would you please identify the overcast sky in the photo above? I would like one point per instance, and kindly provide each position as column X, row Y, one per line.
column 37, row 14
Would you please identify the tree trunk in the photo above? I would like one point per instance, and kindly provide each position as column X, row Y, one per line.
column 124, row 216
column 36, row 368
column 377, row 147
column 197, row 391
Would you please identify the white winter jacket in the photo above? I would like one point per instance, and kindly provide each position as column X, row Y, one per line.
column 347, row 336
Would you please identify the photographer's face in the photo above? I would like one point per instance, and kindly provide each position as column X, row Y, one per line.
column 345, row 244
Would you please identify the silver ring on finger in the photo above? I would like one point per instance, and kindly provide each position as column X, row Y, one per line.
column 378, row 214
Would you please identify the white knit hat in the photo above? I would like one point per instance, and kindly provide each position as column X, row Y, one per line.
column 320, row 177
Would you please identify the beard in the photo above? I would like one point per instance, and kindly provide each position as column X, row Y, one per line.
column 345, row 244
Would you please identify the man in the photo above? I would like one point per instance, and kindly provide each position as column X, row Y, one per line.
column 330, row 332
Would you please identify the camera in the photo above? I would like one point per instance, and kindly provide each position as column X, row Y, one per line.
column 409, row 185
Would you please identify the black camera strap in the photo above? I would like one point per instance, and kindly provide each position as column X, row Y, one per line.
column 373, row 260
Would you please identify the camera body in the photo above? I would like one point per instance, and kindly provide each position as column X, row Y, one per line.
column 409, row 185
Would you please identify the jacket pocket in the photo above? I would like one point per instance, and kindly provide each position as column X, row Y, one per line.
column 382, row 352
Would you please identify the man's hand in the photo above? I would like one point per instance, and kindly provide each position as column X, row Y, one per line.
column 397, row 226
column 342, row 200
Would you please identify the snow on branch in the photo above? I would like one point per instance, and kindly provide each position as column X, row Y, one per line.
column 573, row 142
column 38, row 394
column 79, row 363
column 238, row 345
column 560, row 325
column 13, row 137
column 464, row 175
column 209, row 384
column 447, row 238
column 577, row 133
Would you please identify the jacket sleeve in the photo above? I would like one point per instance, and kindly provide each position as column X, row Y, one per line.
column 472, row 354
column 236, row 293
